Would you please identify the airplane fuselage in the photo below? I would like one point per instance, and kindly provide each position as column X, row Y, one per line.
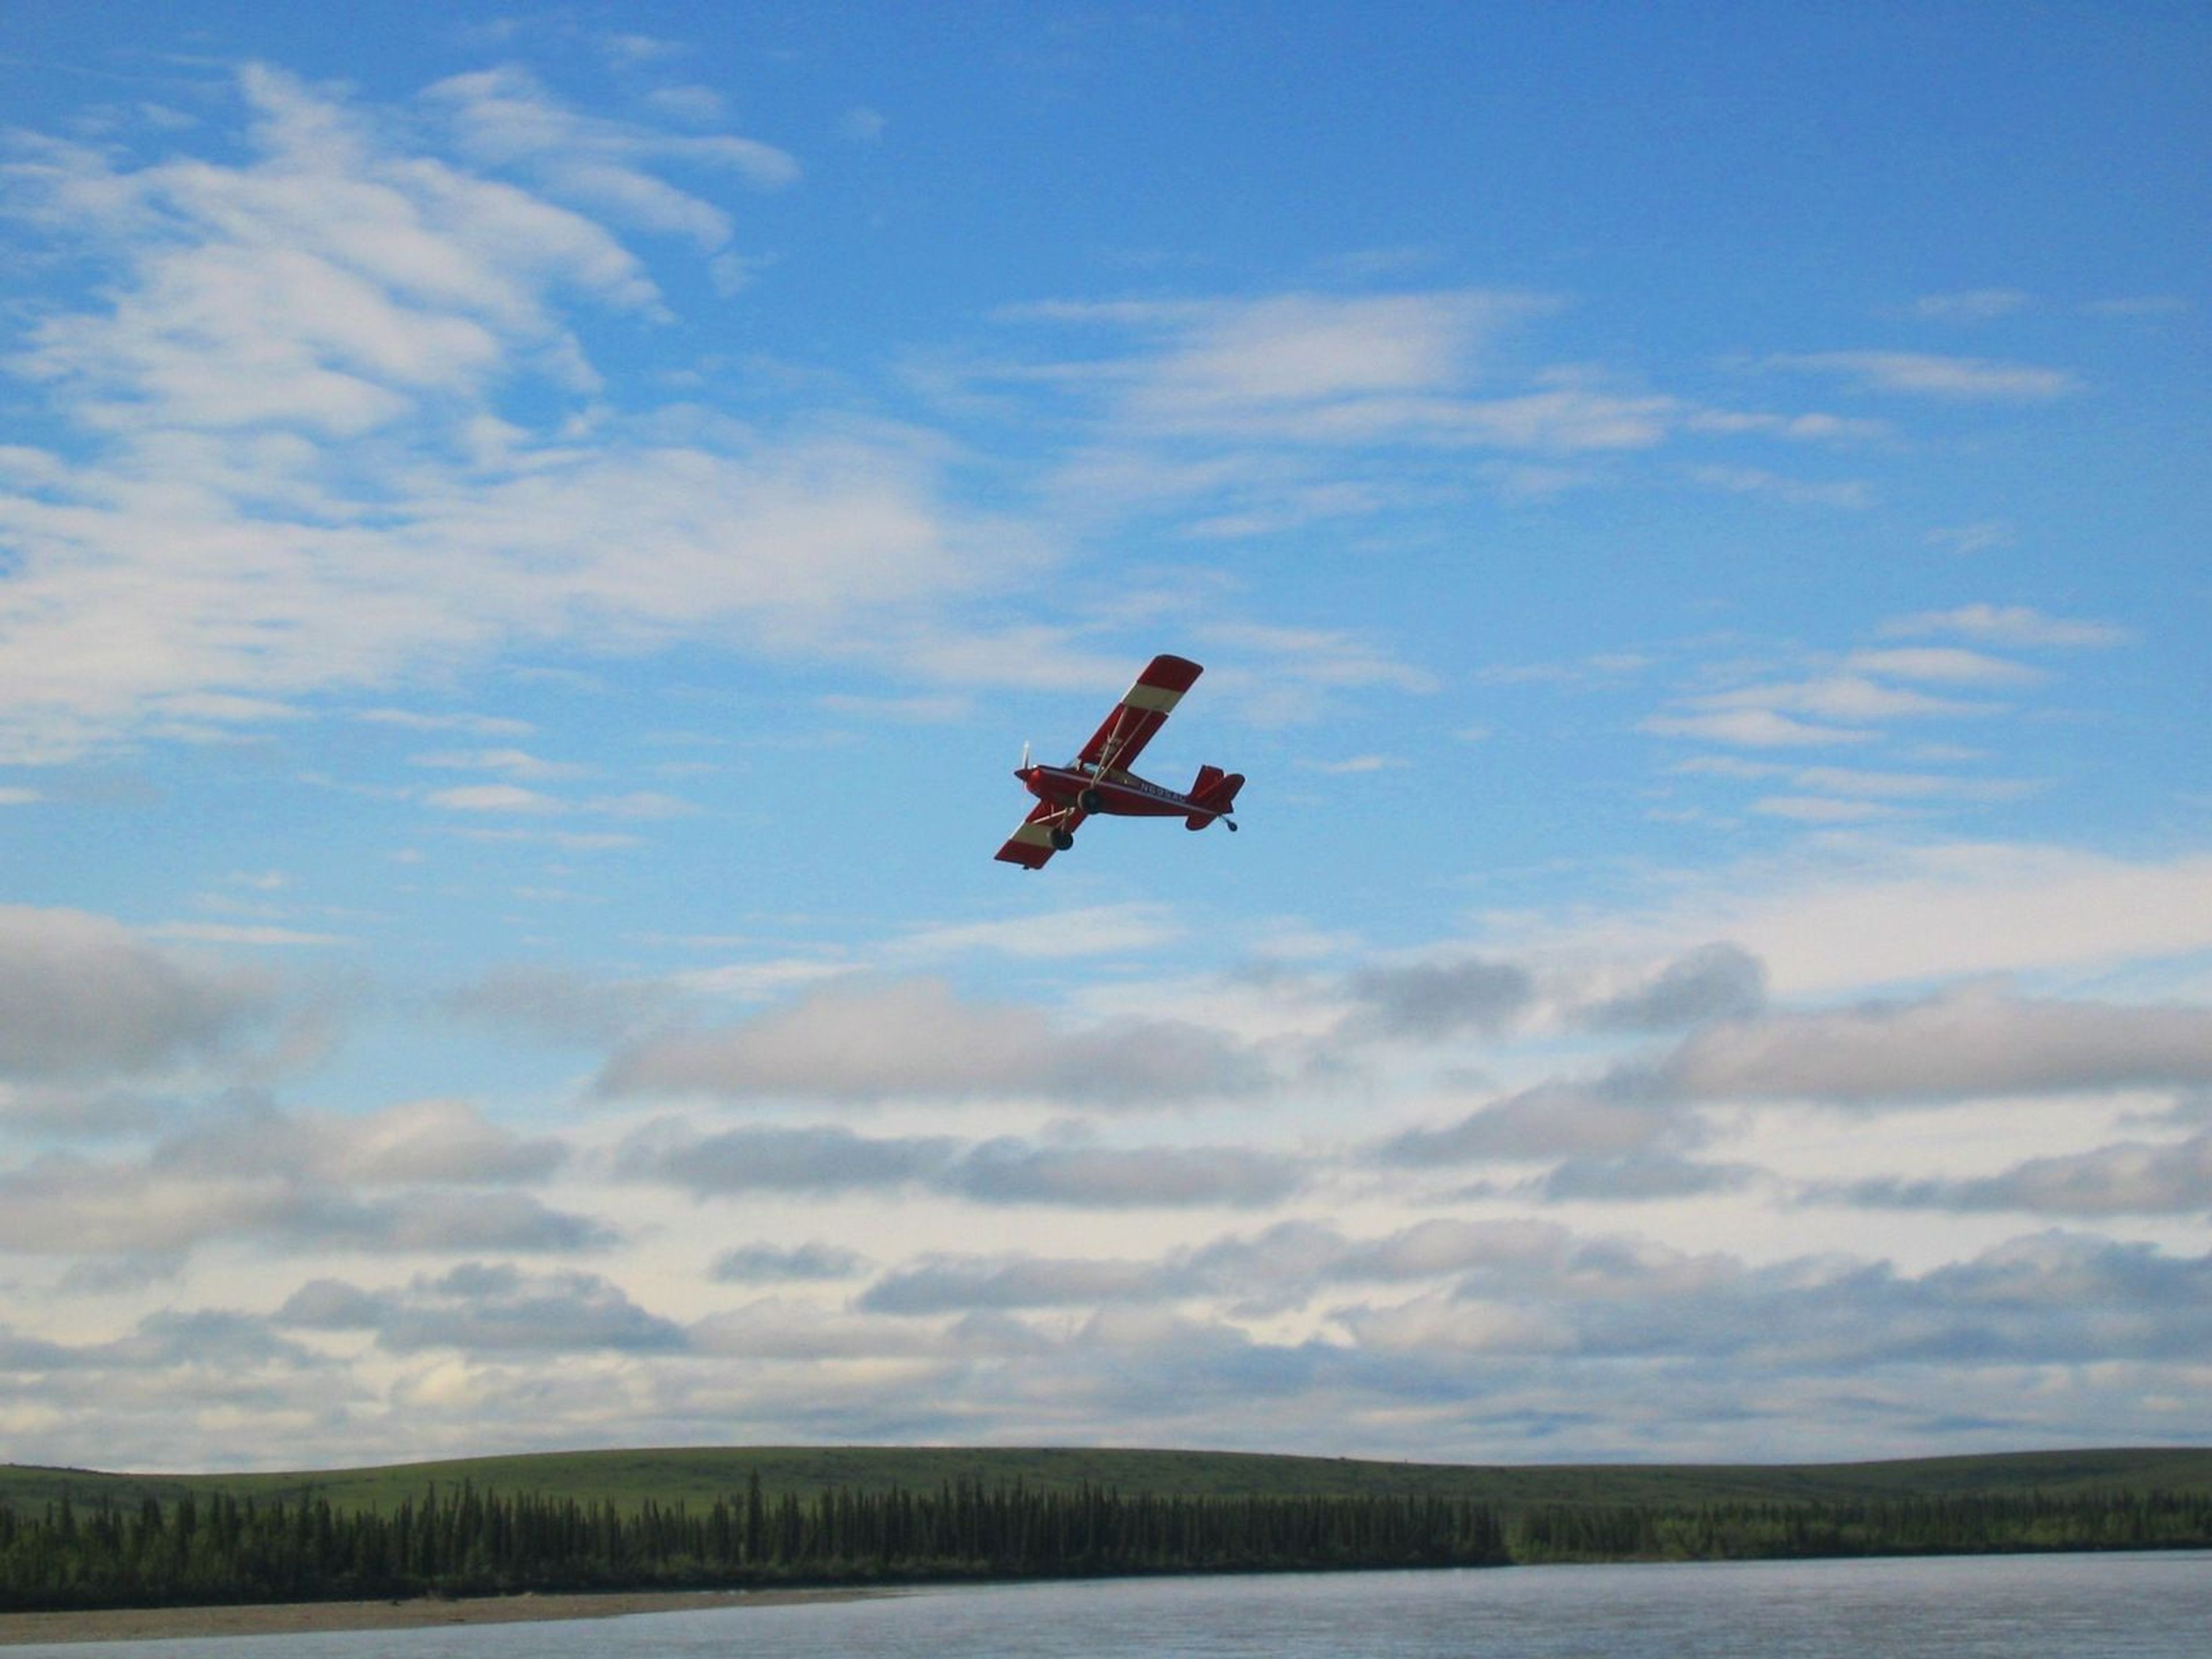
column 1108, row 793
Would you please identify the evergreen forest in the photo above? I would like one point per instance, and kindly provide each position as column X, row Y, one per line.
column 464, row 1541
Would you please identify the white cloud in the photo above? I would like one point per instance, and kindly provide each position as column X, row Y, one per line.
column 514, row 762
column 861, row 125
column 81, row 996
column 1851, row 493
column 827, row 1162
column 1980, row 536
column 503, row 118
column 431, row 1175
column 218, row 553
column 1714, row 981
column 1327, row 371
column 1839, row 697
column 2015, row 625
column 1821, row 809
column 1357, row 765
column 1096, row 930
column 1962, row 1044
column 489, row 725
column 1831, row 920
column 1966, row 379
column 766, row 1262
column 1978, row 305
column 2129, row 1178
column 481, row 1309
column 1803, row 429
column 1228, row 360
column 1903, row 786
column 438, row 1141
column 212, row 932
column 914, row 1039
column 1948, row 664
column 1434, row 1001
column 1552, row 1120
column 1752, row 728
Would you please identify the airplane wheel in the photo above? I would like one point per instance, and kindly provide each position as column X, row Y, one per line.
column 1088, row 801
column 1061, row 841
column 1231, row 823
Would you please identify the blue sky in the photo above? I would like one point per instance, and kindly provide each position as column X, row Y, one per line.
column 530, row 542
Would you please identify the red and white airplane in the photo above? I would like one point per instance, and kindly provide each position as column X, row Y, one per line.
column 1098, row 780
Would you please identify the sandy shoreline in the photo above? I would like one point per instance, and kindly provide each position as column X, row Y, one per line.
column 170, row 1624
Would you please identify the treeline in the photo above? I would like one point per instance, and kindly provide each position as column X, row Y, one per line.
column 462, row 1541
column 466, row 1542
column 1968, row 1524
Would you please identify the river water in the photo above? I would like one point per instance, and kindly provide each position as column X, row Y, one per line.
column 2151, row 1605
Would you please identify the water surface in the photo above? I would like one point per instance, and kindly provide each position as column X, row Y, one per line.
column 2150, row 1606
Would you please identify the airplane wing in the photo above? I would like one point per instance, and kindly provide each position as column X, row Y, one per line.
column 1030, row 845
column 1139, row 714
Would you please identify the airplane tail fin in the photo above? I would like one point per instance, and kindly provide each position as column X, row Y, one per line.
column 1215, row 793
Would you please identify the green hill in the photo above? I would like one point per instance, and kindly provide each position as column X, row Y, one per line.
column 697, row 1475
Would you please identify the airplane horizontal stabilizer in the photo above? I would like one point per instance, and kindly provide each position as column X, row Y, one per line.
column 1215, row 793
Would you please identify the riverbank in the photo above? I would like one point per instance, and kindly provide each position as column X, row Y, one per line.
column 294, row 1619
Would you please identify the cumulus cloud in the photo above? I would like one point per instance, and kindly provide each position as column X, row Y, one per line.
column 1282, row 1267
column 1714, row 982
column 1640, row 1178
column 2048, row 1297
column 963, row 1283
column 423, row 1176
column 765, row 1262
column 1013, row 1171
column 1959, row 1044
column 63, row 1205
column 423, row 1142
column 821, row 1159
column 481, row 1309
column 1436, row 1001
column 915, row 1039
column 559, row 1005
column 1006, row 1170
column 81, row 997
column 1615, row 1116
column 2129, row 1178
column 1445, row 1338
column 1915, row 912
column 1513, row 1296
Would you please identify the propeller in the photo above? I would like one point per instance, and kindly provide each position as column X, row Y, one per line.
column 1025, row 755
